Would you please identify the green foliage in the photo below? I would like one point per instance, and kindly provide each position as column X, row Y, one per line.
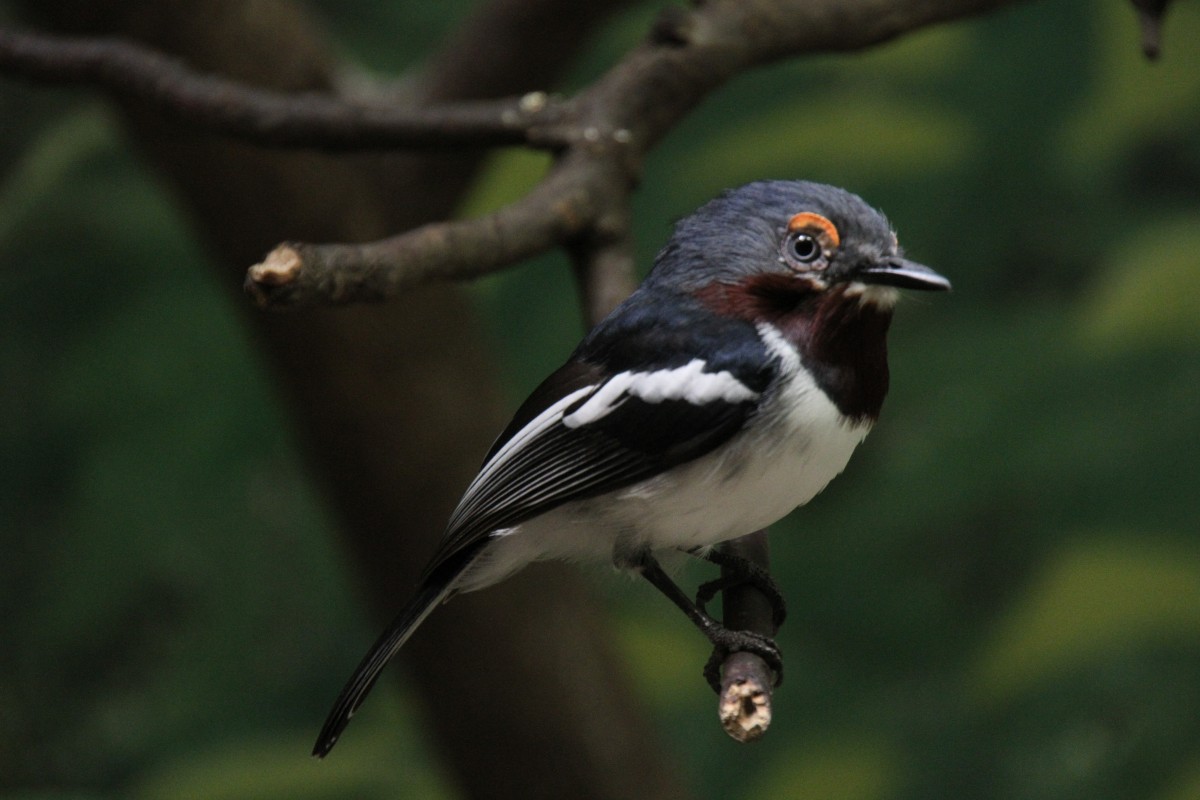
column 999, row 599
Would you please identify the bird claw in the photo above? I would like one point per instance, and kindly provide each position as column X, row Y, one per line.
column 740, row 571
column 727, row 642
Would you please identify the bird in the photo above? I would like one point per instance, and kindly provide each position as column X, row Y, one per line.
column 727, row 390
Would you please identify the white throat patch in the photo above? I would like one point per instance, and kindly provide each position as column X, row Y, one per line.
column 883, row 297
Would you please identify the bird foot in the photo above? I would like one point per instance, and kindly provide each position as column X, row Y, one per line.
column 738, row 571
column 726, row 642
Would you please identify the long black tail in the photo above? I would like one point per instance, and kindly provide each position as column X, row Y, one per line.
column 431, row 593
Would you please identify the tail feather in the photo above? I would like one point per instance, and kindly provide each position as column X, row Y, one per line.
column 427, row 598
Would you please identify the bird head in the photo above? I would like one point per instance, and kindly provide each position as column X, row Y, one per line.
column 793, row 236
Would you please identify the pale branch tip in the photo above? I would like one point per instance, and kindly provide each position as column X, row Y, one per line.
column 280, row 267
column 273, row 279
column 744, row 707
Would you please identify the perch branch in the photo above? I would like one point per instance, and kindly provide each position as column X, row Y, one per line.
column 744, row 704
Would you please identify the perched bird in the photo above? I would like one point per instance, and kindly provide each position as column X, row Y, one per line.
column 729, row 389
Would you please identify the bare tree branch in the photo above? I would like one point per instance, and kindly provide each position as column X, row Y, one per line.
column 276, row 119
column 689, row 54
column 296, row 274
column 693, row 52
column 620, row 117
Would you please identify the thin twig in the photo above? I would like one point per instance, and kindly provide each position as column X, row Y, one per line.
column 277, row 119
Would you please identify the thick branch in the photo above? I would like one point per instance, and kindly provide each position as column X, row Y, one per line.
column 275, row 119
column 694, row 52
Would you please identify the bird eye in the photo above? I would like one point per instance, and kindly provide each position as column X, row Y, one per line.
column 803, row 248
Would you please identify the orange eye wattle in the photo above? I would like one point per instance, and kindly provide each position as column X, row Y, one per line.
column 807, row 220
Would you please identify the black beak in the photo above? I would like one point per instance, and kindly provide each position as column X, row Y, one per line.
column 904, row 274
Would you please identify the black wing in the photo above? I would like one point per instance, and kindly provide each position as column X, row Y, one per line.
column 591, row 428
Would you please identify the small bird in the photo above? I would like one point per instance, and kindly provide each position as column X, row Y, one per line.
column 726, row 391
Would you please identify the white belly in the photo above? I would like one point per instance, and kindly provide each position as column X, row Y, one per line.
column 752, row 482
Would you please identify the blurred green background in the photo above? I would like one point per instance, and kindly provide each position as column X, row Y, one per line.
column 999, row 599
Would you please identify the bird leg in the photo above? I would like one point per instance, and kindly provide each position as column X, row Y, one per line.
column 724, row 640
column 737, row 571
